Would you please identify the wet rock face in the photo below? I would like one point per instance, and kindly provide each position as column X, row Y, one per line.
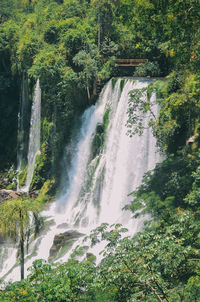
column 63, row 225
column 61, row 240
column 1, row 239
column 9, row 194
column 6, row 242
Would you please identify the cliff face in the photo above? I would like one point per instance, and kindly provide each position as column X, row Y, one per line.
column 9, row 108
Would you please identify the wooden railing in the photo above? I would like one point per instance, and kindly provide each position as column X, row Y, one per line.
column 130, row 62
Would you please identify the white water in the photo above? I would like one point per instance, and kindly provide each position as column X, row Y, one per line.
column 8, row 254
column 34, row 135
column 98, row 188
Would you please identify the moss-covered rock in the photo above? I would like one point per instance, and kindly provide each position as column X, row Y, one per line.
column 97, row 141
column 8, row 179
column 22, row 177
column 65, row 241
column 47, row 192
column 41, row 171
column 106, row 118
column 99, row 136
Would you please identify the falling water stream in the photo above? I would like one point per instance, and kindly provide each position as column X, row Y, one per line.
column 34, row 135
column 98, row 181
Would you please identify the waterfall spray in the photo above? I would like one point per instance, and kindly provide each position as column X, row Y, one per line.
column 34, row 135
column 107, row 165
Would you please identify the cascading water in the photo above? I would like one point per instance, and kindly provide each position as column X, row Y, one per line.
column 107, row 165
column 8, row 253
column 34, row 135
column 117, row 168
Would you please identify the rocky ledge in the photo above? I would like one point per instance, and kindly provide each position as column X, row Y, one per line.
column 9, row 194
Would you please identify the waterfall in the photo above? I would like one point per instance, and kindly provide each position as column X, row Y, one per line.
column 8, row 254
column 34, row 135
column 106, row 166
column 107, row 178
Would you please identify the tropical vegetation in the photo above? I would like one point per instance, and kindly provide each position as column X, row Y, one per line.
column 69, row 45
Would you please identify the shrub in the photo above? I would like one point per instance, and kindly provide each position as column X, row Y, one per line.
column 151, row 69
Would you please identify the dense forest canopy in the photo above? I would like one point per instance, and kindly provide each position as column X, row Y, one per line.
column 70, row 45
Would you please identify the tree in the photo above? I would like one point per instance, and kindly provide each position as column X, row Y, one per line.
column 88, row 61
column 156, row 263
column 140, row 104
column 16, row 222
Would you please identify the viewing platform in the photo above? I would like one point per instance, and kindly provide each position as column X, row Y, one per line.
column 129, row 62
column 125, row 67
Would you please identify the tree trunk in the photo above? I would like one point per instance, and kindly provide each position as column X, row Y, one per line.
column 88, row 92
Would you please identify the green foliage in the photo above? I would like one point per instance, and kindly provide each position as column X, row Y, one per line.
column 98, row 141
column 10, row 215
column 47, row 191
column 100, row 133
column 106, row 118
column 178, row 98
column 51, row 34
column 16, row 222
column 22, row 177
column 88, row 62
column 113, row 82
column 9, row 95
column 150, row 69
column 109, row 48
column 39, row 171
column 58, row 42
column 122, row 83
column 139, row 104
column 179, row 112
column 158, row 264
column 166, row 188
column 107, row 69
column 71, row 283
column 27, row 49
column 193, row 198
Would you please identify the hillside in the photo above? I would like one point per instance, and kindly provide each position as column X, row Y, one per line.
column 71, row 46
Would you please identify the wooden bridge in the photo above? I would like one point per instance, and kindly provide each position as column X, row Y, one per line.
column 129, row 62
column 125, row 68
